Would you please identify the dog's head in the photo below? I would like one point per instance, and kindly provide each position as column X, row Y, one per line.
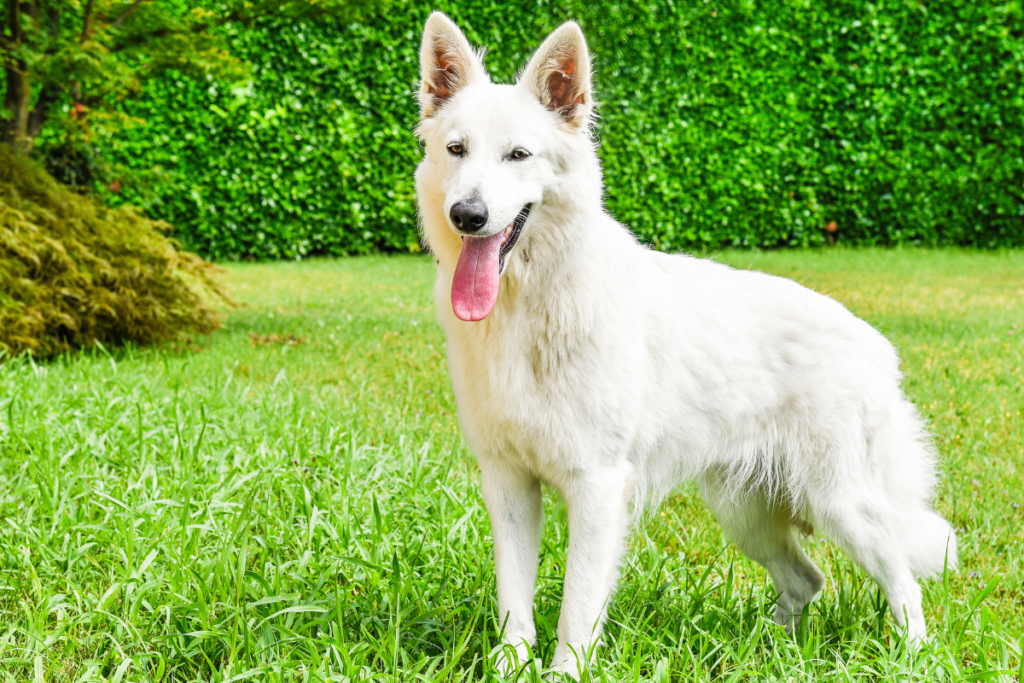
column 495, row 154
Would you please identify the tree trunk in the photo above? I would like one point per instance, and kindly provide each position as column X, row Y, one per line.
column 17, row 101
column 19, row 88
column 24, row 122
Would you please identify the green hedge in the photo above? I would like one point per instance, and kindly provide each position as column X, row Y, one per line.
column 722, row 123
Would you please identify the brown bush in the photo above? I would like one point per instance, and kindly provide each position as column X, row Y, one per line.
column 73, row 272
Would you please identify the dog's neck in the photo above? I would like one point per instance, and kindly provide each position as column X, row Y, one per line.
column 560, row 278
column 568, row 235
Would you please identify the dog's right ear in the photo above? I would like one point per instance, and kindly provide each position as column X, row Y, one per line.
column 447, row 63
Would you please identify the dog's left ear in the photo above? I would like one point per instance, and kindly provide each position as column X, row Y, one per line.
column 559, row 75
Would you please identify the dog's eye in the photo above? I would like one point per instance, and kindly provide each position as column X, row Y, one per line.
column 456, row 149
column 519, row 153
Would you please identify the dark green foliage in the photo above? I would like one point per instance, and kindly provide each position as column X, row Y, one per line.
column 73, row 273
column 722, row 123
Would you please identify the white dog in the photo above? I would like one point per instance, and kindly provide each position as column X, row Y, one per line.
column 586, row 361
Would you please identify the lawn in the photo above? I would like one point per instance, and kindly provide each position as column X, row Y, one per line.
column 290, row 499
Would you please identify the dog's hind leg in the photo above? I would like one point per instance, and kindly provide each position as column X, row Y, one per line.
column 765, row 532
column 878, row 512
column 868, row 528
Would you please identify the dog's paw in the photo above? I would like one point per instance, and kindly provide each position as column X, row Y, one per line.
column 511, row 660
column 568, row 662
column 562, row 674
column 789, row 611
column 787, row 616
column 917, row 632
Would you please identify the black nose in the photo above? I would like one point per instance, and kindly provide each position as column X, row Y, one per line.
column 469, row 215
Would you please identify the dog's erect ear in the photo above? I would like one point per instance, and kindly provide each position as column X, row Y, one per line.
column 559, row 74
column 447, row 63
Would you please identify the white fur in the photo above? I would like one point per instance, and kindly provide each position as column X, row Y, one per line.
column 614, row 373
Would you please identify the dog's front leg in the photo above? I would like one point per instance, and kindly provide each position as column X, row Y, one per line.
column 513, row 499
column 598, row 506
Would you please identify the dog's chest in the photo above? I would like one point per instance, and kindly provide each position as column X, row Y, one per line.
column 542, row 394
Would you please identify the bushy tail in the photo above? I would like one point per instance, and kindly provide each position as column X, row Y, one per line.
column 930, row 542
column 928, row 538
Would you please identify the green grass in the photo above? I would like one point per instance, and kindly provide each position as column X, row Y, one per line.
column 243, row 509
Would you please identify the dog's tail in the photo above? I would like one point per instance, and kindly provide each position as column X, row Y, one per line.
column 930, row 543
column 928, row 539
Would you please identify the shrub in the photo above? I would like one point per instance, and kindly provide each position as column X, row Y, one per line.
column 73, row 273
column 722, row 123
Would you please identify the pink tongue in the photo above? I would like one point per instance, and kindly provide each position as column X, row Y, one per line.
column 475, row 287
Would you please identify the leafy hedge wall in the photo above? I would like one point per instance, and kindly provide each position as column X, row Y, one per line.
column 722, row 123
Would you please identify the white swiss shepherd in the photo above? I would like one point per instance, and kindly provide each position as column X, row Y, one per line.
column 588, row 362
